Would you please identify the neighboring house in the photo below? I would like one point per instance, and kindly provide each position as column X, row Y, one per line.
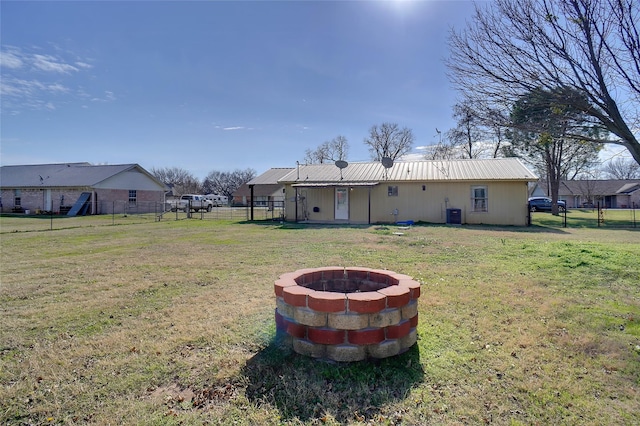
column 57, row 187
column 611, row 194
column 491, row 191
column 265, row 189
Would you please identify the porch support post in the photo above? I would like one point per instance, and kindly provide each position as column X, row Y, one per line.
column 251, row 201
column 369, row 219
column 296, row 201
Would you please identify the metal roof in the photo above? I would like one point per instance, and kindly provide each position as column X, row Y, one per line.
column 402, row 171
column 270, row 177
column 597, row 187
column 62, row 175
column 264, row 185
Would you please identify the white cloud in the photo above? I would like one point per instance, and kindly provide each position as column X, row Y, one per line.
column 10, row 60
column 57, row 87
column 84, row 65
column 50, row 63
column 36, row 79
column 108, row 97
column 413, row 156
column 234, row 128
column 15, row 87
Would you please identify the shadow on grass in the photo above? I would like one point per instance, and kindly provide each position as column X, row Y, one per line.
column 546, row 227
column 304, row 388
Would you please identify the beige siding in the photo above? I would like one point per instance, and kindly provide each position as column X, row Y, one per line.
column 359, row 204
column 506, row 203
column 322, row 198
column 308, row 198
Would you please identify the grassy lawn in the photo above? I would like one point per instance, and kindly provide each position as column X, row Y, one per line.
column 172, row 322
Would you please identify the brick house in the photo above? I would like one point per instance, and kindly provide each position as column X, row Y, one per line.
column 609, row 193
column 123, row 188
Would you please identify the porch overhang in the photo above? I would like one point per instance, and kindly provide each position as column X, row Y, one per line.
column 332, row 184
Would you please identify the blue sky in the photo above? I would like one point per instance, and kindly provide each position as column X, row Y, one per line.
column 218, row 85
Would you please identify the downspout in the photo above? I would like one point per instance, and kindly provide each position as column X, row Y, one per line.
column 369, row 219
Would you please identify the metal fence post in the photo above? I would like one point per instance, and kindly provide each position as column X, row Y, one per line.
column 600, row 215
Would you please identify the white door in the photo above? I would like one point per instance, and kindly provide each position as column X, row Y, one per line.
column 47, row 200
column 342, row 203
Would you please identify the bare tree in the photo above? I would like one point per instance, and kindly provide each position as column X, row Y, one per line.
column 179, row 180
column 333, row 150
column 545, row 132
column 226, row 183
column 388, row 140
column 317, row 156
column 496, row 123
column 622, row 168
column 592, row 47
column 468, row 133
column 591, row 191
column 443, row 150
column 339, row 148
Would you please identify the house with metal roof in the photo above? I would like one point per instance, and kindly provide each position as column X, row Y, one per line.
column 93, row 189
column 474, row 191
column 262, row 189
column 609, row 193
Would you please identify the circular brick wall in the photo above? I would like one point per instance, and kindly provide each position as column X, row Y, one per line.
column 347, row 314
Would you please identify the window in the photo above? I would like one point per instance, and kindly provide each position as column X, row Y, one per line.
column 392, row 191
column 479, row 199
column 133, row 195
column 17, row 200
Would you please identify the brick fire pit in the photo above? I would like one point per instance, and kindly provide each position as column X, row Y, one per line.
column 347, row 314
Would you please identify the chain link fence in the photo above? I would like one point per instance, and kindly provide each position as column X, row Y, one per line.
column 123, row 213
column 268, row 210
column 596, row 217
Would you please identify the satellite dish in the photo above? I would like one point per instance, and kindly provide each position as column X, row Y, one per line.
column 387, row 162
column 341, row 164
